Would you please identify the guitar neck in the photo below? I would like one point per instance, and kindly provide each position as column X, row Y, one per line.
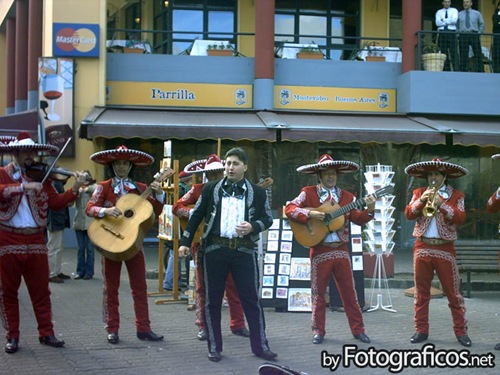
column 359, row 203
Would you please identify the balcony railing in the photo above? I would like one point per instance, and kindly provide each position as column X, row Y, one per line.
column 459, row 52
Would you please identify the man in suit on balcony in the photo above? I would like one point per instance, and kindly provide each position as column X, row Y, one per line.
column 446, row 23
column 470, row 26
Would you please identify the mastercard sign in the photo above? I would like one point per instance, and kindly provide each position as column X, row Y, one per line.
column 76, row 40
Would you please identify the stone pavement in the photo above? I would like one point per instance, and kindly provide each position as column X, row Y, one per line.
column 77, row 316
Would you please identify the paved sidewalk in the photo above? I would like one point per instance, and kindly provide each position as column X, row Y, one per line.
column 77, row 316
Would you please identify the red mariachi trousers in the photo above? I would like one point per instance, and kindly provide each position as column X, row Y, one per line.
column 24, row 256
column 442, row 259
column 136, row 268
column 326, row 261
column 236, row 315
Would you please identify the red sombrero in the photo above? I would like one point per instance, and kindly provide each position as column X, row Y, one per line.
column 325, row 162
column 421, row 169
column 210, row 164
column 136, row 157
column 23, row 142
column 496, row 156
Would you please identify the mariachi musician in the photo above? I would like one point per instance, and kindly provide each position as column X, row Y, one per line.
column 121, row 162
column 213, row 169
column 331, row 254
column 438, row 209
column 23, row 252
column 493, row 206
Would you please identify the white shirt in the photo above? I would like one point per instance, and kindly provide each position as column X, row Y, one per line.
column 447, row 23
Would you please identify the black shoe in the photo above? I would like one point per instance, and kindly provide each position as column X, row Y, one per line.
column 497, row 346
column 465, row 340
column 11, row 346
column 55, row 279
column 318, row 339
column 151, row 336
column 51, row 341
column 202, row 335
column 418, row 337
column 78, row 277
column 113, row 338
column 242, row 332
column 267, row 355
column 214, row 356
column 63, row 276
column 363, row 338
column 87, row 277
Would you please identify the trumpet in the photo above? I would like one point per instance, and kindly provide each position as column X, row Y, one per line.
column 431, row 208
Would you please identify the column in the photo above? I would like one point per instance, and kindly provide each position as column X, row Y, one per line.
column 35, row 14
column 412, row 22
column 21, row 53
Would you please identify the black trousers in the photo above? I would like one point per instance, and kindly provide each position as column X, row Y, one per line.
column 470, row 39
column 245, row 271
column 447, row 42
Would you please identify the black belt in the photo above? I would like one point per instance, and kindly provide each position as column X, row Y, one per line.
column 26, row 231
column 232, row 243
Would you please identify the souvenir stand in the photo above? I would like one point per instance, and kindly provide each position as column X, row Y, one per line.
column 168, row 231
column 379, row 233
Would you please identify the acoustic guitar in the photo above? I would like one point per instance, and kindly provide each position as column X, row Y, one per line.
column 314, row 231
column 121, row 238
column 266, row 184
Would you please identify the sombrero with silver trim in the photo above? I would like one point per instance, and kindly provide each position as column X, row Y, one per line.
column 23, row 142
column 5, row 139
column 496, row 156
column 421, row 169
column 136, row 157
column 325, row 162
column 211, row 164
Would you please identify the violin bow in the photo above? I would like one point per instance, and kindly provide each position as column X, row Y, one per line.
column 47, row 174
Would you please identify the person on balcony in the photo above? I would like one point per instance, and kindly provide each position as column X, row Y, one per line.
column 496, row 39
column 446, row 23
column 470, row 26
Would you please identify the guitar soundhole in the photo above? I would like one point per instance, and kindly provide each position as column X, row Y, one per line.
column 128, row 214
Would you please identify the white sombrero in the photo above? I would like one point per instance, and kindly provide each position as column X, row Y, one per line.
column 23, row 142
column 211, row 164
column 421, row 169
column 136, row 157
column 325, row 162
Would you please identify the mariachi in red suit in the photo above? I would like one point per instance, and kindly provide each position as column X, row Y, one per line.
column 437, row 210
column 213, row 168
column 102, row 201
column 331, row 256
column 23, row 253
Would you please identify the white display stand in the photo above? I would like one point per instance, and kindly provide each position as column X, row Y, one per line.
column 379, row 233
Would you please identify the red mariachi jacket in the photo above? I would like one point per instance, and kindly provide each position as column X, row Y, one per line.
column 449, row 215
column 309, row 197
column 181, row 207
column 493, row 204
column 104, row 196
column 11, row 193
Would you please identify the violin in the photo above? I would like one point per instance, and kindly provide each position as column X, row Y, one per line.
column 38, row 170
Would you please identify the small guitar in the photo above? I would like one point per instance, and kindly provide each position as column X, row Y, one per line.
column 314, row 231
column 266, row 184
column 120, row 238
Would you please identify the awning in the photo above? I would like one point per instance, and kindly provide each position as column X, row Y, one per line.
column 173, row 124
column 356, row 128
column 14, row 123
column 468, row 131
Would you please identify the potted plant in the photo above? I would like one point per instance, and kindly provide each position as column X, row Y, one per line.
column 432, row 58
column 310, row 52
column 374, row 52
column 220, row 50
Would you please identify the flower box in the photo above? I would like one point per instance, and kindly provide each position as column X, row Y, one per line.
column 307, row 55
column 375, row 58
column 220, row 52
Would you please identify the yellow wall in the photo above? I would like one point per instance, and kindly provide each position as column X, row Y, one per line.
column 246, row 24
column 375, row 19
column 89, row 80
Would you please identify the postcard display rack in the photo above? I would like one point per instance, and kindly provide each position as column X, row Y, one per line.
column 379, row 233
column 286, row 269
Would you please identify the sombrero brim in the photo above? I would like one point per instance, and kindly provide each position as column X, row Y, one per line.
column 421, row 169
column 136, row 157
column 5, row 139
column 29, row 148
column 199, row 166
column 496, row 156
column 342, row 166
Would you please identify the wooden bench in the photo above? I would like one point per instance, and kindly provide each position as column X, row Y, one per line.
column 477, row 256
